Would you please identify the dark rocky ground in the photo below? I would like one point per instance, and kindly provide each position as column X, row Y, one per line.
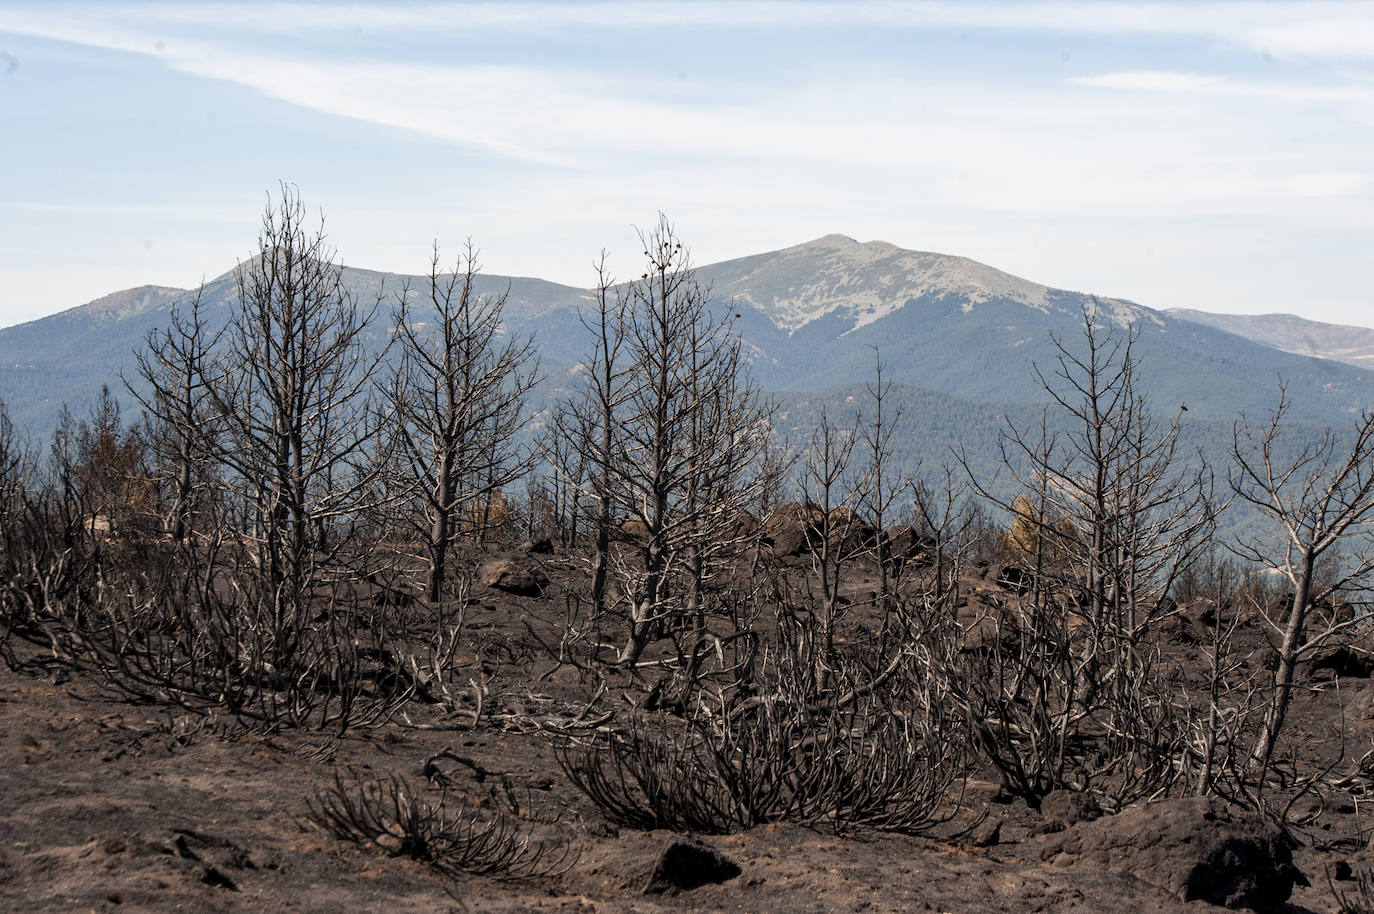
column 106, row 805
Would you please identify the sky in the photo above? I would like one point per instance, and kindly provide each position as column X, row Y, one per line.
column 1217, row 155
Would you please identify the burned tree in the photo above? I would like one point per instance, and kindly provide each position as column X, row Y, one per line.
column 175, row 369
column 291, row 383
column 258, row 613
column 1318, row 499
column 1112, row 514
column 692, row 431
column 830, row 493
column 1124, row 510
column 458, row 400
column 671, row 432
column 585, row 426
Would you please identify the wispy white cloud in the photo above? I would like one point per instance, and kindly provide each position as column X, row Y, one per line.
column 1152, row 81
column 1338, row 34
column 178, row 211
column 1016, row 150
column 1165, row 81
column 958, row 133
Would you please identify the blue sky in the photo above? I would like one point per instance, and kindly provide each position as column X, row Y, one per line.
column 1210, row 155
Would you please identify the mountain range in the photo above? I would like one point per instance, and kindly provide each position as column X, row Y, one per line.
column 1340, row 342
column 812, row 318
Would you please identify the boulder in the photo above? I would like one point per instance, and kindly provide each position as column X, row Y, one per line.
column 852, row 534
column 1179, row 629
column 515, row 578
column 686, row 863
column 541, row 546
column 1361, row 705
column 905, row 544
column 1201, row 611
column 1013, row 578
column 742, row 525
column 1062, row 808
column 1340, row 660
column 795, row 529
column 987, row 833
column 1265, row 657
column 1197, row 848
column 789, row 528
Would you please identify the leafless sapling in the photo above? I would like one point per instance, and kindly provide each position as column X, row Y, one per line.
column 687, row 439
column 174, row 368
column 458, row 400
column 1317, row 499
column 585, row 432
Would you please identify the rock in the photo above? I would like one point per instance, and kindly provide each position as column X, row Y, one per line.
column 789, row 528
column 1264, row 657
column 906, row 544
column 1197, row 848
column 686, row 863
column 795, row 529
column 514, row 578
column 1062, row 808
column 984, row 635
column 852, row 534
column 1340, row 660
column 1361, row 706
column 541, row 546
column 1178, row 629
column 742, row 525
column 1201, row 611
column 738, row 527
column 987, row 833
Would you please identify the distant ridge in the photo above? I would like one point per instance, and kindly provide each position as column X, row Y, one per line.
column 810, row 316
column 1298, row 335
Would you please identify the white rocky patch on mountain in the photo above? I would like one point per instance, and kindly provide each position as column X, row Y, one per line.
column 864, row 282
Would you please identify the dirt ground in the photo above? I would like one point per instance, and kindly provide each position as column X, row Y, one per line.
column 109, row 806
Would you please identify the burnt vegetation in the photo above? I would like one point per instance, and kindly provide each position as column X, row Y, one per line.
column 292, row 534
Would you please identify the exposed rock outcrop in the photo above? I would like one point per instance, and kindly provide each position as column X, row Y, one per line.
column 1197, row 848
column 797, row 529
column 517, row 578
column 1062, row 808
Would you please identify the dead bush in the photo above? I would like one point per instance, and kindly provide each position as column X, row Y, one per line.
column 768, row 763
column 452, row 835
column 859, row 741
column 1052, row 708
column 201, row 630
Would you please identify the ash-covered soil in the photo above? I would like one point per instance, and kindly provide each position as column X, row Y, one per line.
column 110, row 806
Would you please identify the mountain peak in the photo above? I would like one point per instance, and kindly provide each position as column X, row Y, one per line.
column 861, row 282
column 834, row 242
column 129, row 302
column 868, row 250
